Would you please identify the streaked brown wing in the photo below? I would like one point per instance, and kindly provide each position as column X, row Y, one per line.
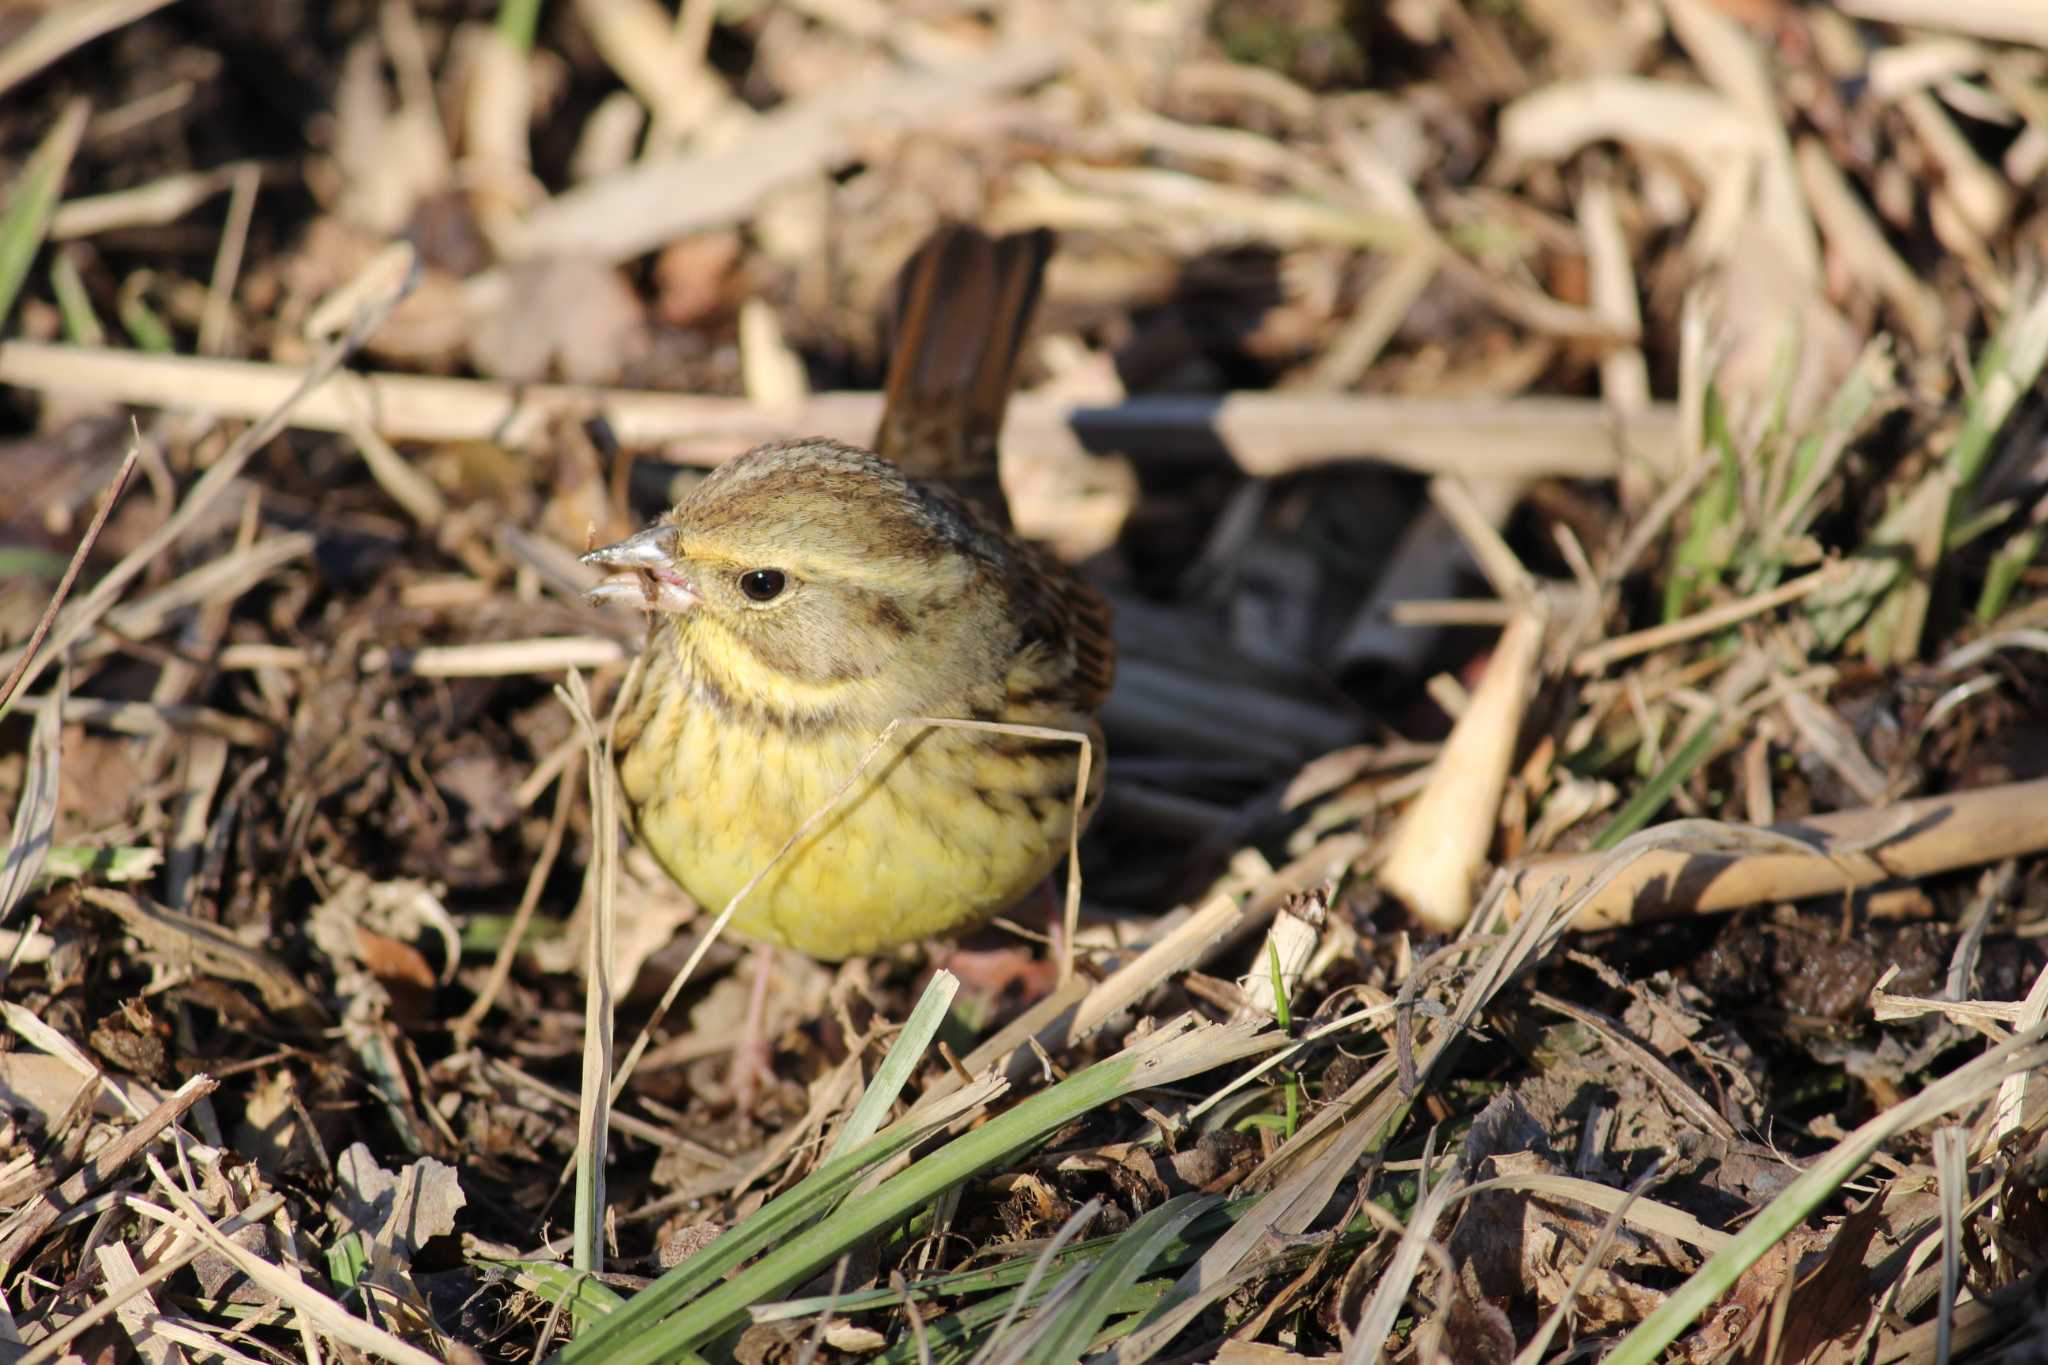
column 1091, row 623
column 1073, row 620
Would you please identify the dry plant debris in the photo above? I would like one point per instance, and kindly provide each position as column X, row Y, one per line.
column 1571, row 474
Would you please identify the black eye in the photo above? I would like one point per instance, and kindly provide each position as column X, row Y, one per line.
column 762, row 585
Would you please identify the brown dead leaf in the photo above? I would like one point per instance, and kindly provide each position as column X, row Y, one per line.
column 399, row 1213
column 401, row 909
column 132, row 1039
column 219, row 1276
column 1831, row 1303
column 679, row 1243
column 1510, row 1244
column 270, row 1133
column 389, row 960
column 1034, row 1208
column 1478, row 1332
column 211, row 993
column 693, row 277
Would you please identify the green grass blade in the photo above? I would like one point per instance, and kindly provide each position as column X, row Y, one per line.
column 803, row 1243
column 76, row 862
column 899, row 1064
column 1710, row 535
column 586, row 1297
column 1799, row 1199
column 74, row 302
column 2005, row 571
column 518, row 21
column 347, row 1259
column 953, row 1336
column 781, row 1218
column 1115, row 1274
column 1651, row 796
column 2007, row 370
column 1002, row 1346
column 2008, row 367
column 1008, row 1274
column 148, row 331
column 32, row 198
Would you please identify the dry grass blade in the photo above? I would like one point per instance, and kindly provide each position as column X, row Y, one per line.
column 1288, row 1207
column 204, row 944
column 59, row 30
column 143, row 718
column 1607, row 653
column 499, row 658
column 326, row 1314
column 35, row 815
column 2016, row 21
column 593, row 1114
column 1533, row 1353
column 1629, row 307
column 84, row 614
column 161, row 201
column 1681, row 1096
column 182, row 1254
column 2012, row 1095
column 1970, row 1084
column 1376, row 1323
column 653, row 202
column 1951, row 1167
column 29, row 1223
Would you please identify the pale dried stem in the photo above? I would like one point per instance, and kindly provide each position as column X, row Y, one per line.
column 1706, row 622
column 499, row 658
column 155, row 204
column 650, row 203
column 219, row 315
column 1850, row 850
column 1479, row 527
column 1440, row 845
column 1266, row 433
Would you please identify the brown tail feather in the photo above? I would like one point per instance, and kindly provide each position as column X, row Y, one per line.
column 963, row 303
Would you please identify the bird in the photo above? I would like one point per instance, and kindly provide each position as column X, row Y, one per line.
column 813, row 606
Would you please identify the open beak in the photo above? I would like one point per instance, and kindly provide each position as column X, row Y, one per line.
column 642, row 573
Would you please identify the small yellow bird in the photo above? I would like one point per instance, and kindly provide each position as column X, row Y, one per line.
column 808, row 593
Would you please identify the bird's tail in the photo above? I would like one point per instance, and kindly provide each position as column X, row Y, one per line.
column 963, row 303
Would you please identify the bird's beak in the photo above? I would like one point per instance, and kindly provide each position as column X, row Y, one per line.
column 643, row 573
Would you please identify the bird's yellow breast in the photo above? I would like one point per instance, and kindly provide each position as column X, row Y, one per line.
column 942, row 829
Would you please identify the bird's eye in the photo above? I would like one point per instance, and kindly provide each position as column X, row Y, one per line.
column 762, row 585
